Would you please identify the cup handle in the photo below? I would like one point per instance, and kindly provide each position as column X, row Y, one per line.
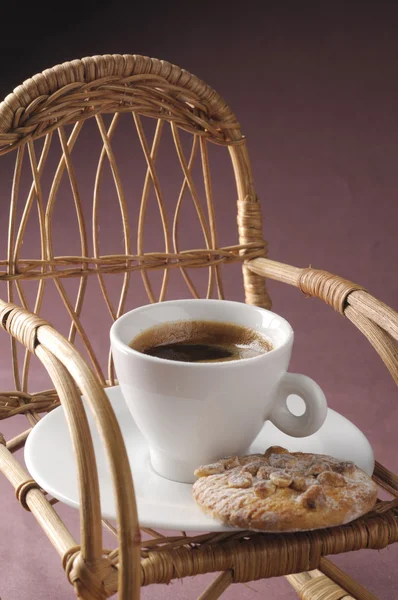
column 315, row 406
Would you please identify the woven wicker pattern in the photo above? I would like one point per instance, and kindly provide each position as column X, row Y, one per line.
column 17, row 403
column 112, row 84
column 54, row 107
column 78, row 266
column 69, row 94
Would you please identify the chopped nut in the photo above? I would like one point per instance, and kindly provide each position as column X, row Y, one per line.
column 299, row 483
column 333, row 479
column 275, row 450
column 230, row 462
column 281, row 479
column 282, row 461
column 264, row 472
column 317, row 468
column 264, row 489
column 312, row 498
column 347, row 467
column 206, row 470
column 304, row 458
column 240, row 480
column 252, row 467
column 244, row 460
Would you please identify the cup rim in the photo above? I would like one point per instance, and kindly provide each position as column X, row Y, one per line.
column 116, row 341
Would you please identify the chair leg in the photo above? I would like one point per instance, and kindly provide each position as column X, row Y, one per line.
column 218, row 586
column 326, row 583
column 354, row 588
column 330, row 583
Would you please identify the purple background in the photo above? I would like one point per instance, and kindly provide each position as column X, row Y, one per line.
column 316, row 93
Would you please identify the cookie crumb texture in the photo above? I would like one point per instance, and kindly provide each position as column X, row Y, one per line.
column 283, row 491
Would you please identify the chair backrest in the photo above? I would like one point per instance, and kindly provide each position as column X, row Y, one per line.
column 109, row 193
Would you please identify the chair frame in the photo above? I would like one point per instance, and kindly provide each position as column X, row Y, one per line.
column 44, row 105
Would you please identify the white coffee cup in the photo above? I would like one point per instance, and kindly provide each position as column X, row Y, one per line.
column 194, row 413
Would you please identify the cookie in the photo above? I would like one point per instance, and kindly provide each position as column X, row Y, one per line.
column 284, row 491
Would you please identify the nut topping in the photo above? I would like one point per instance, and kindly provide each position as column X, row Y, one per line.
column 317, row 468
column 240, row 480
column 313, row 498
column 281, row 479
column 264, row 489
column 212, row 469
column 332, row 479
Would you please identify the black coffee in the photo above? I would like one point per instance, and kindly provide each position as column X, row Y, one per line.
column 201, row 341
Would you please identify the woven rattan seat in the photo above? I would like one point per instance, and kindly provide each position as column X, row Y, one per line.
column 42, row 124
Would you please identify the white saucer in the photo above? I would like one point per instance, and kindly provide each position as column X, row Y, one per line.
column 162, row 503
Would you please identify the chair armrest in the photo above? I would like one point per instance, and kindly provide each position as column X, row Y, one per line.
column 376, row 320
column 72, row 377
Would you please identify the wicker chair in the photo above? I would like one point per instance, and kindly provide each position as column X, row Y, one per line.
column 52, row 110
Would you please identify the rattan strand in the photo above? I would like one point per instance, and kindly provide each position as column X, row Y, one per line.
column 332, row 289
column 87, row 579
column 259, row 556
column 218, row 586
column 20, row 325
column 384, row 477
column 18, row 441
column 377, row 322
column 83, row 88
column 22, row 490
column 380, row 340
column 332, row 571
column 78, row 266
column 250, row 231
column 18, row 403
column 324, row 588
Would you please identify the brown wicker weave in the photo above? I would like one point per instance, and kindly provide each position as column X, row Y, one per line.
column 54, row 106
